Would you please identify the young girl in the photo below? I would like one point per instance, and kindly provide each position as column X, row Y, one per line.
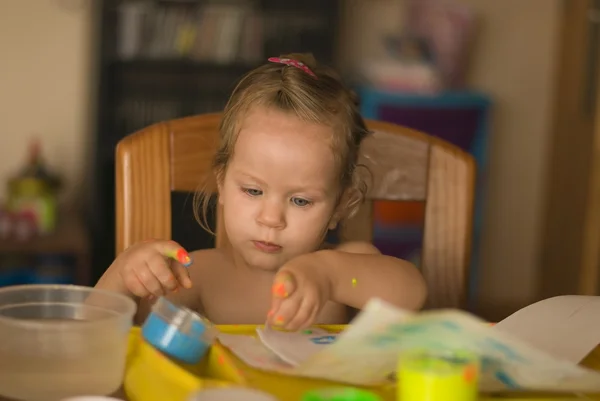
column 285, row 169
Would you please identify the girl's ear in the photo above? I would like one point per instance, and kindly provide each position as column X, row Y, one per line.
column 340, row 210
column 350, row 203
column 333, row 222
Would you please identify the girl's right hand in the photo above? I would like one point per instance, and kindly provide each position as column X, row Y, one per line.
column 150, row 268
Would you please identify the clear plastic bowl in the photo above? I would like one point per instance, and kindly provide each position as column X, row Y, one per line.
column 59, row 341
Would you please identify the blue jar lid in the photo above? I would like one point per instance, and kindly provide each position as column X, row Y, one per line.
column 178, row 332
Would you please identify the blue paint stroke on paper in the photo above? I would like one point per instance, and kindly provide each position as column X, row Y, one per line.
column 383, row 340
column 505, row 379
column 504, row 349
column 406, row 328
column 451, row 325
column 323, row 339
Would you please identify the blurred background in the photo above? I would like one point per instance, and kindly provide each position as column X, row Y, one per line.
column 513, row 82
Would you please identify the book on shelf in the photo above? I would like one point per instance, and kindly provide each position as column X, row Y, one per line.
column 218, row 33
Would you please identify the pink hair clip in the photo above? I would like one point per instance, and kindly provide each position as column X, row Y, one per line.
column 295, row 63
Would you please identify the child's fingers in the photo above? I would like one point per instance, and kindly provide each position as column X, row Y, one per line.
column 182, row 274
column 312, row 317
column 302, row 317
column 283, row 286
column 162, row 271
column 285, row 312
column 179, row 260
column 273, row 311
column 149, row 280
column 173, row 250
column 135, row 286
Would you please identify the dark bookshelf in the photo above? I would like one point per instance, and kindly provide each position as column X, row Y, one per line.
column 160, row 60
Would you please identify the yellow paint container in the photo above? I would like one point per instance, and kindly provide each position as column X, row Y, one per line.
column 437, row 376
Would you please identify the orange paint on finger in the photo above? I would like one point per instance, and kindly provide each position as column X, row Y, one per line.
column 279, row 320
column 181, row 256
column 279, row 290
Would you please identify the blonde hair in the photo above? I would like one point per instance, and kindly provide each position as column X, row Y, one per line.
column 321, row 99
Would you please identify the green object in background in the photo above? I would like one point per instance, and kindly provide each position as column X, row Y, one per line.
column 37, row 196
column 340, row 394
column 34, row 190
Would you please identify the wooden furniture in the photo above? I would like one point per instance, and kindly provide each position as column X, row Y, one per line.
column 70, row 238
column 570, row 257
column 406, row 165
column 171, row 156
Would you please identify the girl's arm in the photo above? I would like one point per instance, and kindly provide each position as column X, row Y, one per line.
column 357, row 271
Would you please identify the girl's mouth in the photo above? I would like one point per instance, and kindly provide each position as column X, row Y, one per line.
column 267, row 247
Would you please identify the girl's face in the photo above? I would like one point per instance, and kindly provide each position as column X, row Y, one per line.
column 280, row 190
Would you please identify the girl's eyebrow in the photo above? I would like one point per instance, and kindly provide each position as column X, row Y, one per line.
column 249, row 176
column 307, row 188
column 319, row 191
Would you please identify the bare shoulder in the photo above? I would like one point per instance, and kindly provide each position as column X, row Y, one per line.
column 209, row 267
column 201, row 273
column 205, row 259
column 358, row 247
column 201, row 254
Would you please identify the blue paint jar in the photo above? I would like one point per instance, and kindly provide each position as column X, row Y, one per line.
column 178, row 332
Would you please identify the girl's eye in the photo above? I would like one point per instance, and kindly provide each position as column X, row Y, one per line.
column 301, row 202
column 252, row 191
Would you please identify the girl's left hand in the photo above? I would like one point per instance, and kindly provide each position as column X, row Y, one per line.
column 299, row 293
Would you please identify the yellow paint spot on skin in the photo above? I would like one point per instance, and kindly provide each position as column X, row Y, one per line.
column 353, row 282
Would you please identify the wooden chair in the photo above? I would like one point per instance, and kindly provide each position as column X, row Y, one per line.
column 406, row 165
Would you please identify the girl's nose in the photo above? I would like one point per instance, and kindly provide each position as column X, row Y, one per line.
column 272, row 215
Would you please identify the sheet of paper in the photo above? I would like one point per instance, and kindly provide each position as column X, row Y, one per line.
column 295, row 347
column 253, row 353
column 567, row 327
column 367, row 352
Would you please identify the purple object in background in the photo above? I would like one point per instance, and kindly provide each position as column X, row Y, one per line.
column 457, row 126
column 461, row 118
